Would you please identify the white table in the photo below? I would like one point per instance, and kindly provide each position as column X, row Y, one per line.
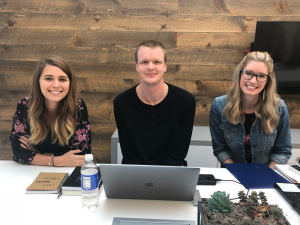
column 19, row 208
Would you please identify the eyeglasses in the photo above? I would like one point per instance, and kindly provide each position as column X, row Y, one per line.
column 248, row 75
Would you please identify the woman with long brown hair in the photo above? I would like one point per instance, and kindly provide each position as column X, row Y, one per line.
column 251, row 124
column 51, row 126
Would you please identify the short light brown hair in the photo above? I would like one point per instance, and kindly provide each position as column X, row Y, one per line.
column 150, row 44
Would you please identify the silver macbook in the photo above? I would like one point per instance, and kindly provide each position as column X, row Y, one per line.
column 149, row 182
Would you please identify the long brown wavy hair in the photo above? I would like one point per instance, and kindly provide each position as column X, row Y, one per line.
column 267, row 107
column 63, row 126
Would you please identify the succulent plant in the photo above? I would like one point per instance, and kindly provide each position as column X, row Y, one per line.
column 254, row 197
column 257, row 221
column 252, row 207
column 277, row 212
column 263, row 198
column 242, row 197
column 220, row 202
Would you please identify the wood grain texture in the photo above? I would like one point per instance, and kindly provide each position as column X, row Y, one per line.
column 103, row 128
column 4, row 141
column 11, row 98
column 200, row 56
column 215, row 40
column 127, row 40
column 277, row 5
column 101, row 142
column 8, row 111
column 5, row 126
column 285, row 7
column 102, row 156
column 219, row 5
column 125, row 70
column 198, row 23
column 6, row 154
column 233, row 7
column 116, row 86
column 110, row 7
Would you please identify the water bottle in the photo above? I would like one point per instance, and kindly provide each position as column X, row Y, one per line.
column 89, row 183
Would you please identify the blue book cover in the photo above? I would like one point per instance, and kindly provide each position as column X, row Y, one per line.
column 255, row 175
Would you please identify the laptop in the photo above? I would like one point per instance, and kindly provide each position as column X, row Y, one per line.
column 291, row 193
column 149, row 182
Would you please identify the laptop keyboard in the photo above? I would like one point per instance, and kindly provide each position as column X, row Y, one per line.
column 294, row 197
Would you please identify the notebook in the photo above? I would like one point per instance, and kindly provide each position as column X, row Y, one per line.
column 149, row 182
column 47, row 183
column 255, row 175
column 72, row 186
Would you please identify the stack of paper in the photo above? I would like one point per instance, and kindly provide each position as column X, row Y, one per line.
column 284, row 170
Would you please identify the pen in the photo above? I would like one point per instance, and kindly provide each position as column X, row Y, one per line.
column 59, row 193
column 62, row 183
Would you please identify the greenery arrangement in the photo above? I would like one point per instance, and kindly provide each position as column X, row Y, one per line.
column 252, row 210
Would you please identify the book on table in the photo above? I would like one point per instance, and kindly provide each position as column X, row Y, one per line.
column 73, row 184
column 47, row 183
column 284, row 169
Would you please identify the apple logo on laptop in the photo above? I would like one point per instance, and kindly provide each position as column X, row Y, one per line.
column 150, row 184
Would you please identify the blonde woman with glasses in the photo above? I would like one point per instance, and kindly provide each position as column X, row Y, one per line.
column 51, row 127
column 251, row 124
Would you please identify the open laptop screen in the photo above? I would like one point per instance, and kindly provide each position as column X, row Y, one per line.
column 149, row 182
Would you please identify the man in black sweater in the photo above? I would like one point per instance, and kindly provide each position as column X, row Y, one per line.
column 154, row 119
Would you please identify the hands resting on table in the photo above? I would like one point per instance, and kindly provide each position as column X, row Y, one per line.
column 68, row 159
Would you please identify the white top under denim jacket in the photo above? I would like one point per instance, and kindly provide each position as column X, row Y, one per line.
column 228, row 138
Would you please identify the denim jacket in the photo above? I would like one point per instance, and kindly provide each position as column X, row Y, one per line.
column 228, row 138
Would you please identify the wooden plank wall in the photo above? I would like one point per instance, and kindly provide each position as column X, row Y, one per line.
column 205, row 40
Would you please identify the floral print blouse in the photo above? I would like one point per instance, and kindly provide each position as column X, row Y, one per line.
column 20, row 127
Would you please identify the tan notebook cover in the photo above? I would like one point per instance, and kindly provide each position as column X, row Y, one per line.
column 47, row 182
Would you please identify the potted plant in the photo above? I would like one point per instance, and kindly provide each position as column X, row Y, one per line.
column 254, row 209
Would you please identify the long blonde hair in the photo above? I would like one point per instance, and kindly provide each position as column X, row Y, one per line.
column 267, row 107
column 63, row 126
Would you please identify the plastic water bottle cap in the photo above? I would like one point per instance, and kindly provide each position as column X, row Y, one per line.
column 89, row 157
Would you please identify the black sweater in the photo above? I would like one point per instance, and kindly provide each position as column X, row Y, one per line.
column 155, row 135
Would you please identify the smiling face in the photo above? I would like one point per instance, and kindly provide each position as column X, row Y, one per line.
column 252, row 87
column 54, row 84
column 151, row 65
